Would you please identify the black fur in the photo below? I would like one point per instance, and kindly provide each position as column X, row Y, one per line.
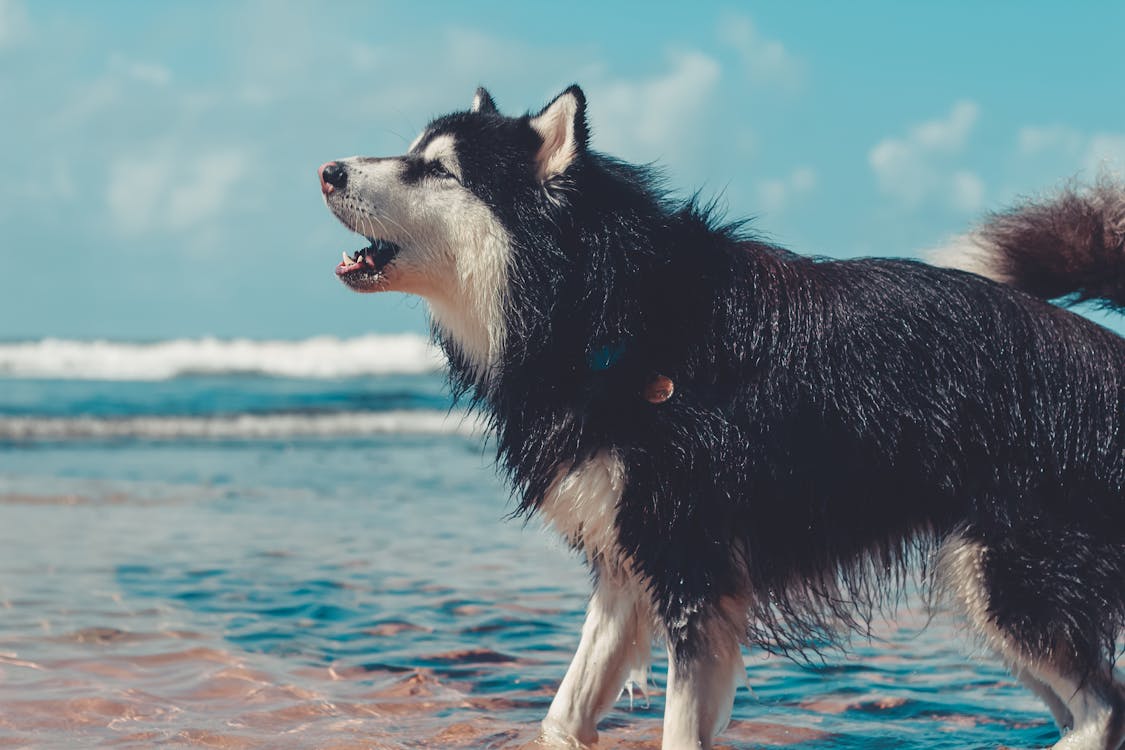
column 833, row 422
column 830, row 417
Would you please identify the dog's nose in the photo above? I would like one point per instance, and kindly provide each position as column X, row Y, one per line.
column 333, row 175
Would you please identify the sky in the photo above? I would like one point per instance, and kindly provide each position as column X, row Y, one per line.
column 157, row 160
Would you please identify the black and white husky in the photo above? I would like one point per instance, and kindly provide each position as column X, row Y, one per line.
column 817, row 427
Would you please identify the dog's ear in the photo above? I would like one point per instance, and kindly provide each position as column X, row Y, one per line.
column 562, row 126
column 483, row 102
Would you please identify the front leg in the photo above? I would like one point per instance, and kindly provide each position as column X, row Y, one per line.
column 704, row 669
column 616, row 643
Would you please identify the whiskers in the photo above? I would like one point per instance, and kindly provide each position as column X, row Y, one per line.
column 375, row 227
column 405, row 231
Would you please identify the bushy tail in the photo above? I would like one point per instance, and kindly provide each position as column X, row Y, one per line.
column 1070, row 247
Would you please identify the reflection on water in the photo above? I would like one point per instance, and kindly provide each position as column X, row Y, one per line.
column 367, row 593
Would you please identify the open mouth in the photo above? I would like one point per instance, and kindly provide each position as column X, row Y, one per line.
column 368, row 266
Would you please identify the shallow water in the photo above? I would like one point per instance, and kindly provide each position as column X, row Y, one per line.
column 367, row 594
column 361, row 590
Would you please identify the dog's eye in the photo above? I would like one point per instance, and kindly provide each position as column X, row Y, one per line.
column 437, row 169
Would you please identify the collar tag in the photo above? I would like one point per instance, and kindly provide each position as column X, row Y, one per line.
column 659, row 390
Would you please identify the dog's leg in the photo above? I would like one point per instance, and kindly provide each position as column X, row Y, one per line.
column 1059, row 712
column 616, row 644
column 1086, row 699
column 704, row 669
column 1097, row 705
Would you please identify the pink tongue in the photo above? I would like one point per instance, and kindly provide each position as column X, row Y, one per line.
column 345, row 267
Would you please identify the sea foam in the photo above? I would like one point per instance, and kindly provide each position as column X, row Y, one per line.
column 318, row 357
column 240, row 426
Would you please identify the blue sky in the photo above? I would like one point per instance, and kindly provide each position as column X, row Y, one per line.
column 157, row 159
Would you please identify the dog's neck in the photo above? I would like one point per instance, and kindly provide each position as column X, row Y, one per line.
column 468, row 315
column 473, row 340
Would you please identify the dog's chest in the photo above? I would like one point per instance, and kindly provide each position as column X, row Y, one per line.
column 582, row 504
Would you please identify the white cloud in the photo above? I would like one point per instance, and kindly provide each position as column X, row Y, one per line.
column 136, row 185
column 764, row 61
column 14, row 23
column 206, row 187
column 279, row 54
column 967, row 191
column 1105, row 151
column 100, row 96
column 652, row 118
column 109, row 92
column 1034, row 140
column 916, row 168
column 168, row 189
column 144, row 72
column 470, row 49
column 1090, row 152
column 774, row 196
column 948, row 135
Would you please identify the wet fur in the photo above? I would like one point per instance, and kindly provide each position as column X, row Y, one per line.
column 830, row 418
column 834, row 422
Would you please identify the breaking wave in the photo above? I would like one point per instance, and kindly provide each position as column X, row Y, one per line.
column 318, row 357
column 240, row 426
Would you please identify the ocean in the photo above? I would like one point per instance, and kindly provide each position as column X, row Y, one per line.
column 303, row 544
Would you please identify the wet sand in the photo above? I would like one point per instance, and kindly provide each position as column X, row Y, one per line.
column 105, row 687
column 281, row 597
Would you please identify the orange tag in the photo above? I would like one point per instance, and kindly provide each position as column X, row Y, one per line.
column 659, row 390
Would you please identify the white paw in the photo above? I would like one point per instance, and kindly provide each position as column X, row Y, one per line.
column 1088, row 738
column 555, row 738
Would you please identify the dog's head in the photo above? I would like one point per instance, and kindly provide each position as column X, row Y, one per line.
column 441, row 218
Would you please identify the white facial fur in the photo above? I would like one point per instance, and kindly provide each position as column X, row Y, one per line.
column 454, row 252
column 443, row 149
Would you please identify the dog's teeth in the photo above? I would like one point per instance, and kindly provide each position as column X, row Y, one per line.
column 347, row 258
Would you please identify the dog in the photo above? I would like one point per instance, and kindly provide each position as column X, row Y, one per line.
column 753, row 447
